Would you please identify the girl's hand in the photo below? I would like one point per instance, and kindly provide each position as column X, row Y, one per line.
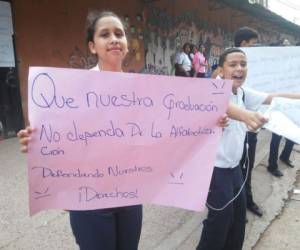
column 24, row 138
column 223, row 121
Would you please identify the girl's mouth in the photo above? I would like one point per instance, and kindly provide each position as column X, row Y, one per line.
column 114, row 49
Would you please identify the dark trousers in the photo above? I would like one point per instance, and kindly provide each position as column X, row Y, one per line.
column 107, row 229
column 251, row 139
column 225, row 229
column 274, row 148
column 184, row 74
column 200, row 75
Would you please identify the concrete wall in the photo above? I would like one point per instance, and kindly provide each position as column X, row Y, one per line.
column 52, row 32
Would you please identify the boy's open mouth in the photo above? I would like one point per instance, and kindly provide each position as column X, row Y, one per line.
column 235, row 77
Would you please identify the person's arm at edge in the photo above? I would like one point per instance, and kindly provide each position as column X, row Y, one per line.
column 286, row 95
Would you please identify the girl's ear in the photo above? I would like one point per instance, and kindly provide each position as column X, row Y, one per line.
column 91, row 46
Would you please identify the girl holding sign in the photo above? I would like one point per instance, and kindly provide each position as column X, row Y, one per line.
column 112, row 228
column 224, row 227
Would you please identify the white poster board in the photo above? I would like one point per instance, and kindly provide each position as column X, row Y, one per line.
column 273, row 69
column 284, row 118
column 277, row 69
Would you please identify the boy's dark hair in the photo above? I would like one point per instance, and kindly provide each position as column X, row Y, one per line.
column 92, row 19
column 244, row 34
column 226, row 53
column 274, row 44
column 186, row 45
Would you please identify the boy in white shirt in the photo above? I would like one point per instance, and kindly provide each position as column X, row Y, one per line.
column 224, row 227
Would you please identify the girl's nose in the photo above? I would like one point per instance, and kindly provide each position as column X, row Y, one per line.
column 114, row 39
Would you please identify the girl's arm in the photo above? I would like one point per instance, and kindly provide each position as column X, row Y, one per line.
column 204, row 62
column 253, row 120
column 286, row 95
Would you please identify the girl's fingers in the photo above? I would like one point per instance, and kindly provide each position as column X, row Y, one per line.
column 25, row 132
column 29, row 129
column 24, row 149
column 25, row 141
column 22, row 133
column 24, row 138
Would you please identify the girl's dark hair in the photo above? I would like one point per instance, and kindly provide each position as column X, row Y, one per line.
column 92, row 19
column 192, row 46
column 226, row 53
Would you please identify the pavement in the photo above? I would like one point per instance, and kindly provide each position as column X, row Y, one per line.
column 283, row 232
column 164, row 228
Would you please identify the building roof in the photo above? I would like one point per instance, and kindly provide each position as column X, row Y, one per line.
column 257, row 10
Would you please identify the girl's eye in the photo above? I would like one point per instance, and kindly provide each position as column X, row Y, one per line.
column 104, row 34
column 119, row 34
column 244, row 64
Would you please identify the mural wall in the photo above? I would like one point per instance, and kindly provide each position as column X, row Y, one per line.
column 166, row 34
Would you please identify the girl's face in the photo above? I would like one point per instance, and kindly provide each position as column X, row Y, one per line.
column 110, row 43
column 235, row 68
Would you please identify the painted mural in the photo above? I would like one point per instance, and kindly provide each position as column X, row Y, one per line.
column 165, row 35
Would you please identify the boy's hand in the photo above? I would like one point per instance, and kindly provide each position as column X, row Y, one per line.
column 254, row 120
column 24, row 138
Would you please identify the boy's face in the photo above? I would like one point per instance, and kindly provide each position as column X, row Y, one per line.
column 235, row 68
column 187, row 49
